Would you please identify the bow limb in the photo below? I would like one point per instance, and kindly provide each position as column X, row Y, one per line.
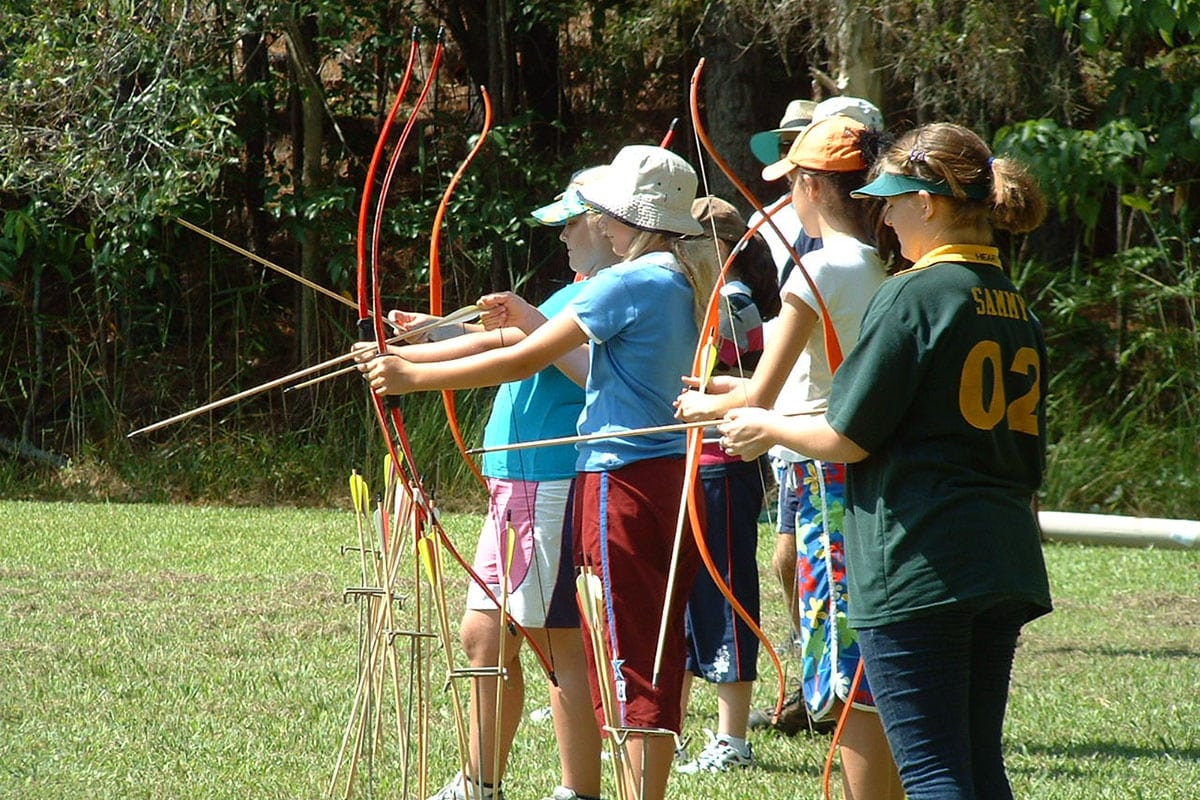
column 701, row 366
column 370, row 328
column 365, row 203
column 435, row 273
column 370, row 315
column 833, row 349
column 377, row 229
column 665, row 144
column 707, row 343
column 395, row 437
column 702, row 363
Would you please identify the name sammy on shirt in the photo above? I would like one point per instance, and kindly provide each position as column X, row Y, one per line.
column 999, row 303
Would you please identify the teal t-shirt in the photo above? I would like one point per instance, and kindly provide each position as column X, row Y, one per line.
column 545, row 405
column 946, row 391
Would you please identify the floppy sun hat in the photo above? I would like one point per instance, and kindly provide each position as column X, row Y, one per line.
column 648, row 188
column 568, row 204
column 715, row 214
column 855, row 108
column 827, row 145
column 765, row 144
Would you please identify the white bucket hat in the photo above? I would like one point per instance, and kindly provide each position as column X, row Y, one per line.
column 796, row 117
column 648, row 188
column 856, row 108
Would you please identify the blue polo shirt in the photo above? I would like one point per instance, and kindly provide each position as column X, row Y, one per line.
column 639, row 318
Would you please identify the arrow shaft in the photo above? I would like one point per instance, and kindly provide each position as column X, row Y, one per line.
column 588, row 437
column 460, row 315
column 316, row 287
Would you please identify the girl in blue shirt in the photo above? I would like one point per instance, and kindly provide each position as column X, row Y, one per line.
column 640, row 322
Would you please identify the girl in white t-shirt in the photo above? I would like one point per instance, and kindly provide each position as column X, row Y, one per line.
column 824, row 163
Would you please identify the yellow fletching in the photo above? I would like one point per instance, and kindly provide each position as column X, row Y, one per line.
column 510, row 547
column 359, row 492
column 708, row 363
column 425, row 551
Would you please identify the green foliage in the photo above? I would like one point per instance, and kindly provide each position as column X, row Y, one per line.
column 1079, row 168
column 1145, row 143
column 1122, row 320
column 116, row 118
column 487, row 240
column 113, row 120
column 257, row 457
column 1124, row 343
column 1103, row 23
column 1105, row 462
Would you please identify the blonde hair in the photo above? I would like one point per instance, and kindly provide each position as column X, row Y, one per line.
column 697, row 257
column 1009, row 197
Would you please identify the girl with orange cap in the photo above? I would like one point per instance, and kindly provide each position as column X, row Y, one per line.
column 829, row 159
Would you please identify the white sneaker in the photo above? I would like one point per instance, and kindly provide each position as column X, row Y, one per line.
column 456, row 789
column 562, row 793
column 681, row 746
column 718, row 756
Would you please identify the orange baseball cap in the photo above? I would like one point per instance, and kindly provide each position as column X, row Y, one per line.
column 827, row 145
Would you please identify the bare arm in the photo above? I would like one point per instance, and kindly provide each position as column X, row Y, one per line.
column 510, row 310
column 472, row 339
column 575, row 364
column 464, row 340
column 469, row 344
column 750, row 432
column 407, row 320
column 393, row 374
column 788, row 338
column 513, row 311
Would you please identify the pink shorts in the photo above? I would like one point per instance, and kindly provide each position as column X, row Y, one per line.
column 541, row 589
column 625, row 528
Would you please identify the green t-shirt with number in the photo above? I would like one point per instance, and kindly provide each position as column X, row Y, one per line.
column 945, row 390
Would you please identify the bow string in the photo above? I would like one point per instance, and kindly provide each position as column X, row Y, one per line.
column 701, row 366
column 833, row 349
column 373, row 326
column 435, row 275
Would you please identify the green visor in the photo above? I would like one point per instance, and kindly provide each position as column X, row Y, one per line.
column 890, row 184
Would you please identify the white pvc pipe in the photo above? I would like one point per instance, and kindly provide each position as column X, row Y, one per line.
column 1112, row 529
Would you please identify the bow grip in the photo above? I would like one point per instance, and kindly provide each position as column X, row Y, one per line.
column 366, row 333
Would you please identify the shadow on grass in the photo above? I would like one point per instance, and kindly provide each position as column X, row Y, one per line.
column 1120, row 652
column 1099, row 750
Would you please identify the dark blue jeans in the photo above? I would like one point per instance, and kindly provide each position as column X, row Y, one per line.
column 941, row 687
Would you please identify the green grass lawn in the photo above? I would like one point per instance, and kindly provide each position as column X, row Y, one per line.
column 151, row 651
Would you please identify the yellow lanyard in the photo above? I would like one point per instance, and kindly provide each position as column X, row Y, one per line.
column 978, row 253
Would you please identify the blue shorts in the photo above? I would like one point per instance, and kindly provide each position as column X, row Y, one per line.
column 788, row 505
column 721, row 646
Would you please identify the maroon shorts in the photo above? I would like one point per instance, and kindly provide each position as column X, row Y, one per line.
column 624, row 526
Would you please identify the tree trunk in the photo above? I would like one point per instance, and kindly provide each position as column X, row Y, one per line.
column 731, row 74
column 854, row 53
column 500, row 61
column 539, row 87
column 252, row 125
column 301, row 37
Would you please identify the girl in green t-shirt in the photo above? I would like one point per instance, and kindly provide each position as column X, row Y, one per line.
column 939, row 412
